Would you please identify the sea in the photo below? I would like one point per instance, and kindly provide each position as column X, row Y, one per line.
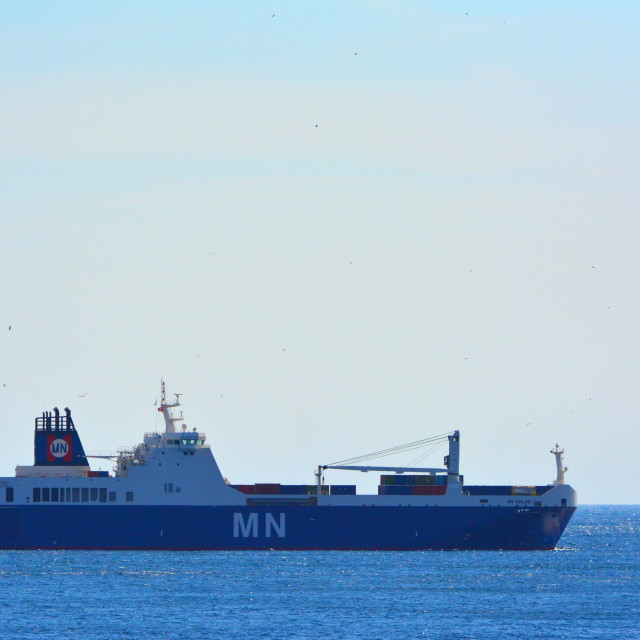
column 588, row 588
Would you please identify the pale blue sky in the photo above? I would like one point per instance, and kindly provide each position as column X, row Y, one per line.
column 455, row 245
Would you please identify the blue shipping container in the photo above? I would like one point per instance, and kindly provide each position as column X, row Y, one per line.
column 343, row 489
column 407, row 480
column 294, row 489
column 487, row 490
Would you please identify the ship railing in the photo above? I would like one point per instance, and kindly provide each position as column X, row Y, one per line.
column 107, row 455
column 126, row 451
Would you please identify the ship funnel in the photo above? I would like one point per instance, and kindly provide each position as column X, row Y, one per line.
column 57, row 444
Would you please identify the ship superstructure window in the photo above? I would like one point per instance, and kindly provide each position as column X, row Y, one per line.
column 168, row 487
column 45, row 494
column 112, row 496
column 94, row 494
column 62, row 494
column 68, row 492
column 54, row 494
column 103, row 494
column 85, row 494
column 129, row 496
column 8, row 495
column 75, row 493
column 36, row 494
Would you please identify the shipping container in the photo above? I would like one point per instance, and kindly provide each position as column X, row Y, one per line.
column 343, row 489
column 97, row 474
column 486, row 490
column 267, row 488
column 425, row 490
column 244, row 488
column 523, row 491
column 294, row 489
column 394, row 490
column 411, row 480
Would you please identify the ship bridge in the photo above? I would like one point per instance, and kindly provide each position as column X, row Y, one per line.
column 174, row 444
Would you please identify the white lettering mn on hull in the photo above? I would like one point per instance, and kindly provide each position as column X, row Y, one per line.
column 249, row 528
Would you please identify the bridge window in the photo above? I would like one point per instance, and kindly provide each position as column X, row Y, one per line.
column 68, row 491
column 45, row 494
column 75, row 494
column 85, row 494
column 563, row 502
column 54, row 494
column 9, row 494
column 129, row 496
column 36, row 494
column 112, row 496
column 103, row 494
column 94, row 494
column 62, row 494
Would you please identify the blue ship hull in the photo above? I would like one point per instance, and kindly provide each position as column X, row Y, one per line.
column 280, row 527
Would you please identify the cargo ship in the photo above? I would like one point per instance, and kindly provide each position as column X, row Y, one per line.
column 168, row 493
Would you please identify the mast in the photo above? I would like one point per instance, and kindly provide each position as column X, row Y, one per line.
column 452, row 461
column 165, row 409
column 561, row 470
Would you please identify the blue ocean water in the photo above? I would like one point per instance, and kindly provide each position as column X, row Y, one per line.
column 588, row 588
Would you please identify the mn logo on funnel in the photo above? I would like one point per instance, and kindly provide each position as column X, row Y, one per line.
column 59, row 449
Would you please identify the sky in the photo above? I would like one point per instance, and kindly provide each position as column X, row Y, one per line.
column 334, row 227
